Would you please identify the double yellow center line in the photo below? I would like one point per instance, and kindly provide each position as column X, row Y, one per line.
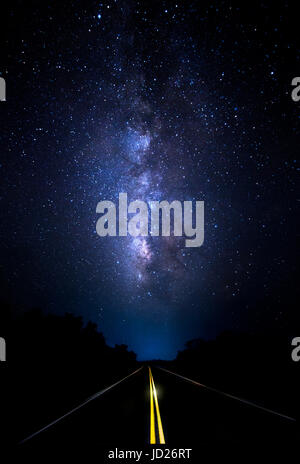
column 154, row 401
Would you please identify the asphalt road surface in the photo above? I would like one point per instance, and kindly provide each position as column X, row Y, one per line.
column 153, row 407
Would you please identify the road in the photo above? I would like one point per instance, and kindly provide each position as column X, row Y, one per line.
column 155, row 407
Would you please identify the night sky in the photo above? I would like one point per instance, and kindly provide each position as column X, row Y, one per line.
column 164, row 100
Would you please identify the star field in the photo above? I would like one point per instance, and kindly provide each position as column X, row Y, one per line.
column 164, row 101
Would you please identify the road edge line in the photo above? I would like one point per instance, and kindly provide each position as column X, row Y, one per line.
column 93, row 397
column 242, row 400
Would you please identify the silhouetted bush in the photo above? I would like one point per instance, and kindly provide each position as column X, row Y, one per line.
column 55, row 363
column 257, row 367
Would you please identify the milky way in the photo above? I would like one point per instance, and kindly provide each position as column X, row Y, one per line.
column 165, row 101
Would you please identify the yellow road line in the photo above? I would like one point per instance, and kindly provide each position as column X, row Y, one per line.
column 152, row 417
column 160, row 428
column 153, row 394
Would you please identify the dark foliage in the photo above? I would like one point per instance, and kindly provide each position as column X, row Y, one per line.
column 56, row 362
column 254, row 367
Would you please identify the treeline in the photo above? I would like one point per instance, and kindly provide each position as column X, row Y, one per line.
column 63, row 340
column 256, row 367
column 55, row 362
